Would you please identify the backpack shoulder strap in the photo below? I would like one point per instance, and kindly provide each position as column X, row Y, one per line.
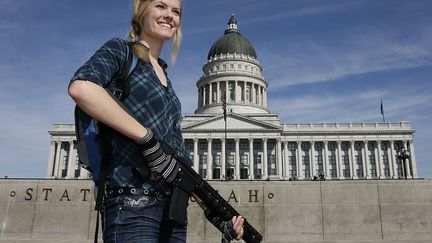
column 122, row 85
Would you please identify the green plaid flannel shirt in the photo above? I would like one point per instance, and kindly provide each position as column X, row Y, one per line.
column 155, row 106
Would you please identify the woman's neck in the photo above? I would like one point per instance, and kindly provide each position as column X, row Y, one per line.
column 154, row 46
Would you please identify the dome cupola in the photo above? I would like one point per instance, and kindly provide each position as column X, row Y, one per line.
column 232, row 42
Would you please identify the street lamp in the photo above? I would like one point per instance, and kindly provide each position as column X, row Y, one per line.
column 403, row 155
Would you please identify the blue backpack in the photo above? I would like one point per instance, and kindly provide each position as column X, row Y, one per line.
column 93, row 136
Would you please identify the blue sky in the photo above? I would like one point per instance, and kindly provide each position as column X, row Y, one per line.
column 325, row 61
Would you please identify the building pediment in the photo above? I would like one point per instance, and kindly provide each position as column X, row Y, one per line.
column 233, row 122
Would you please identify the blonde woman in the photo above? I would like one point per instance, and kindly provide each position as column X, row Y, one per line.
column 135, row 208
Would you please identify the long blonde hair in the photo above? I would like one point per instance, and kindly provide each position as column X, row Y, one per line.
column 139, row 9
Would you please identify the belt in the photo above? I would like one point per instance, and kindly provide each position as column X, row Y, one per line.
column 118, row 191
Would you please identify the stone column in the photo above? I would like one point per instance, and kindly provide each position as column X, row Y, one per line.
column 210, row 93
column 251, row 160
column 236, row 93
column 325, row 159
column 260, row 95
column 286, row 160
column 300, row 174
column 237, row 158
column 392, row 161
column 223, row 159
column 253, row 93
column 227, row 91
column 380, row 163
column 209, row 159
column 244, row 93
column 339, row 160
column 51, row 159
column 71, row 162
column 366, row 164
column 265, row 159
column 57, row 161
column 413, row 159
column 265, row 97
column 204, row 95
column 407, row 161
column 353, row 163
column 196, row 155
column 199, row 96
column 279, row 158
column 218, row 93
column 312, row 158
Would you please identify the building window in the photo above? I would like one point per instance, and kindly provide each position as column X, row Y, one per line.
column 216, row 173
column 318, row 146
column 357, row 146
column 189, row 146
column 345, row 159
column 292, row 146
column 272, row 164
column 373, row 169
column 244, row 146
column 306, row 166
column 203, row 146
column 217, row 146
column 230, row 159
column 230, row 145
column 359, row 162
column 305, row 146
column 230, row 173
column 232, row 66
column 319, row 160
column 244, row 173
column 257, row 166
column 231, row 91
column 244, row 159
column 217, row 159
column 386, row 165
column 214, row 92
column 203, row 159
column 257, row 146
column 248, row 96
column 346, row 173
column 270, row 146
column 384, row 146
column 360, row 172
column 345, row 146
column 331, row 146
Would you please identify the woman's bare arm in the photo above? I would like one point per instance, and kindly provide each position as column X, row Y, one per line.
column 95, row 101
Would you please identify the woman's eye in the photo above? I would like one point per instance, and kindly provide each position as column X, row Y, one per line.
column 160, row 6
column 176, row 12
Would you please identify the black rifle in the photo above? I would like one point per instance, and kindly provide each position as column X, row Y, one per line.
column 217, row 208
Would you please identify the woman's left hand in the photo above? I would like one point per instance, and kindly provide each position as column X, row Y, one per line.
column 238, row 226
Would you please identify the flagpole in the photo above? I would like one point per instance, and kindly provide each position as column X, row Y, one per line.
column 224, row 108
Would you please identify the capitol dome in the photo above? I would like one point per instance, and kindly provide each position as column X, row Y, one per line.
column 232, row 77
column 232, row 42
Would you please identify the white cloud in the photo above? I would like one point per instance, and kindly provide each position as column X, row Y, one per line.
column 311, row 62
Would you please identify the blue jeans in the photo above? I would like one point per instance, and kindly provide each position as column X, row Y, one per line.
column 140, row 218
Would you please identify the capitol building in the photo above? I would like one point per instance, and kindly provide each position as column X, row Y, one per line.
column 249, row 142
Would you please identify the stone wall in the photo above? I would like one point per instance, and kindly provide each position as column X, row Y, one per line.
column 283, row 211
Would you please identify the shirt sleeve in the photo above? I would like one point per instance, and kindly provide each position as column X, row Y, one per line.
column 104, row 64
column 178, row 139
